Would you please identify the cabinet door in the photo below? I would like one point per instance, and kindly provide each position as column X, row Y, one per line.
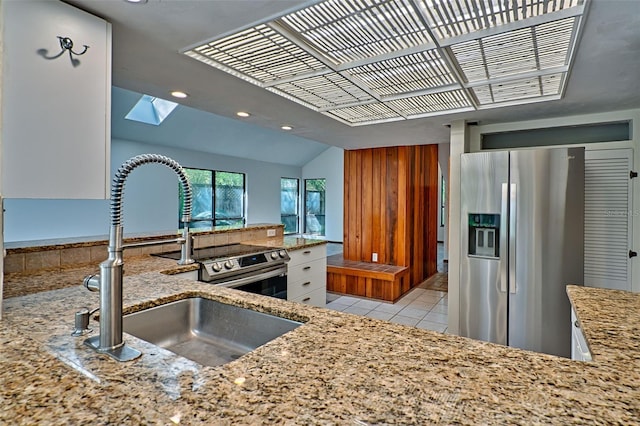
column 307, row 275
column 579, row 349
column 608, row 232
column 307, row 254
column 190, row 275
column 315, row 298
column 55, row 110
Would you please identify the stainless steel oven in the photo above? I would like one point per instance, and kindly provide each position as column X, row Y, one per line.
column 269, row 282
column 254, row 269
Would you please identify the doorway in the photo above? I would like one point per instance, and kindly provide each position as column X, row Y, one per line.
column 440, row 280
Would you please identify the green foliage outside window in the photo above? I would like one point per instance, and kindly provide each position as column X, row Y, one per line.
column 224, row 190
column 315, row 206
column 289, row 193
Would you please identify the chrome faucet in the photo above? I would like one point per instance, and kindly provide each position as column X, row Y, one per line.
column 109, row 281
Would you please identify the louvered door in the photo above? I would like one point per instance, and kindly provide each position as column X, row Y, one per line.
column 607, row 219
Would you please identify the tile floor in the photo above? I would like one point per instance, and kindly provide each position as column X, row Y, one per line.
column 420, row 308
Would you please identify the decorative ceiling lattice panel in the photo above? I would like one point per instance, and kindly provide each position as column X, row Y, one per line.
column 370, row 61
column 541, row 86
column 554, row 41
column 529, row 49
column 326, row 91
column 350, row 30
column 363, row 114
column 411, row 73
column 459, row 17
column 437, row 102
column 261, row 54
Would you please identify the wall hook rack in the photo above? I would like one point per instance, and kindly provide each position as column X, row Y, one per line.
column 66, row 45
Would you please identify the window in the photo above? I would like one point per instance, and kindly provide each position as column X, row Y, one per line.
column 314, row 201
column 218, row 198
column 289, row 193
column 443, row 197
column 151, row 110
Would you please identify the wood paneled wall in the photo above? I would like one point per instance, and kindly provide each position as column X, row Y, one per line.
column 390, row 207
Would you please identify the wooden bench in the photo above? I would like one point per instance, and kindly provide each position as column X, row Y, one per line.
column 366, row 279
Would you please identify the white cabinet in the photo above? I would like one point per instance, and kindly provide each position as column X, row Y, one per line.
column 190, row 275
column 56, row 109
column 579, row 348
column 307, row 276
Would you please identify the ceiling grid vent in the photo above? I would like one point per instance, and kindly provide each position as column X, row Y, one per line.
column 406, row 74
column 324, row 91
column 371, row 61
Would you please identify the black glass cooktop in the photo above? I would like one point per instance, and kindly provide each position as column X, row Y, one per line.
column 218, row 252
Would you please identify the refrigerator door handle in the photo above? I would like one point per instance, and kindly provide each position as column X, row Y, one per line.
column 504, row 214
column 513, row 205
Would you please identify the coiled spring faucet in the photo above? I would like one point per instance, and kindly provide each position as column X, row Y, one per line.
column 109, row 281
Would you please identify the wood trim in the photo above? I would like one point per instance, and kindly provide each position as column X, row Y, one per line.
column 360, row 272
column 363, row 286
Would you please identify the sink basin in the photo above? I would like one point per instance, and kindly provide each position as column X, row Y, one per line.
column 205, row 331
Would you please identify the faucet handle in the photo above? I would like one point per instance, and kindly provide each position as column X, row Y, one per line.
column 92, row 282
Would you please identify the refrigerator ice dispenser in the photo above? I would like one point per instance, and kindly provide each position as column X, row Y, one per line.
column 484, row 235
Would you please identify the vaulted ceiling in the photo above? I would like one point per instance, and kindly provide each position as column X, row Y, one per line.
column 149, row 38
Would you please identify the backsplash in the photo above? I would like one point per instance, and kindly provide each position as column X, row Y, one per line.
column 62, row 255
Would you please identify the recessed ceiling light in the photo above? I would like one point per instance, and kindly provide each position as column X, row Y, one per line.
column 179, row 94
column 286, row 127
column 242, row 114
column 136, row 1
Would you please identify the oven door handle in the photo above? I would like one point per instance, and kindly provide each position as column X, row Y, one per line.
column 254, row 278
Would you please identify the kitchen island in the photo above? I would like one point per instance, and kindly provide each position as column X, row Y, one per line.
column 337, row 368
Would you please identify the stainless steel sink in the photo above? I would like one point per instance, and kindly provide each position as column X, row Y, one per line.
column 207, row 332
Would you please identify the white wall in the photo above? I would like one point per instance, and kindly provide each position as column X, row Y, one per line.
column 330, row 166
column 443, row 162
column 150, row 197
column 56, row 115
column 439, row 227
column 459, row 143
column 1, row 200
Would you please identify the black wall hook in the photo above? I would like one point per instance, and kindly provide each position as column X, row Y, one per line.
column 66, row 45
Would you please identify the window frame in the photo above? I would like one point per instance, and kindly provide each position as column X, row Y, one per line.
column 213, row 219
column 443, row 204
column 306, row 213
column 297, row 214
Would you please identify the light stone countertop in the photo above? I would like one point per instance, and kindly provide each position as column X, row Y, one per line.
column 22, row 283
column 96, row 240
column 610, row 321
column 335, row 369
column 290, row 243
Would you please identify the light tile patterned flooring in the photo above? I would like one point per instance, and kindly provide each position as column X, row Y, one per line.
column 422, row 308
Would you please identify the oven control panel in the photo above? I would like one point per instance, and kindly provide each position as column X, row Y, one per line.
column 216, row 268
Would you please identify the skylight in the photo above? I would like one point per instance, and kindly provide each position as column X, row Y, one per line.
column 151, row 110
column 368, row 61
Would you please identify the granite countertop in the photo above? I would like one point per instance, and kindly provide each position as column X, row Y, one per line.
column 96, row 240
column 335, row 369
column 22, row 283
column 290, row 243
column 610, row 321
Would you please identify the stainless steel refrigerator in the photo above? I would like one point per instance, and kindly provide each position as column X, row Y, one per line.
column 522, row 227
